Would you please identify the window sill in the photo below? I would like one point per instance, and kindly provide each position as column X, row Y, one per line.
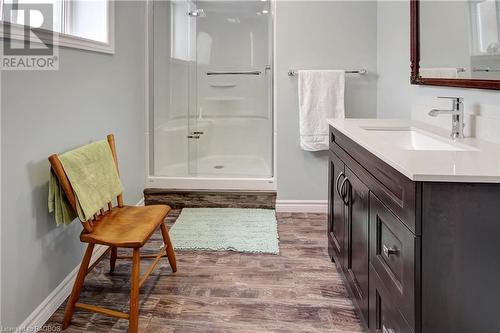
column 60, row 39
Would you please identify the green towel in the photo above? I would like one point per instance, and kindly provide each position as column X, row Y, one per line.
column 58, row 202
column 92, row 173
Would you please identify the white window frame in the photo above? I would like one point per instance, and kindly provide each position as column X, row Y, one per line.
column 70, row 41
column 475, row 30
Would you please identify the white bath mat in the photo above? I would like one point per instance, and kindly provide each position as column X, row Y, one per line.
column 226, row 229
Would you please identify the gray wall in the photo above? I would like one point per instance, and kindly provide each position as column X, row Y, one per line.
column 90, row 95
column 396, row 97
column 93, row 94
column 319, row 35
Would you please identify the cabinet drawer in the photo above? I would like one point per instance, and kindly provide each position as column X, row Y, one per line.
column 384, row 314
column 392, row 255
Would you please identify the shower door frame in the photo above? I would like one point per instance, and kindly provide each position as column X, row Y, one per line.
column 194, row 182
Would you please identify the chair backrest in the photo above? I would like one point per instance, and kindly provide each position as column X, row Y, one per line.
column 58, row 169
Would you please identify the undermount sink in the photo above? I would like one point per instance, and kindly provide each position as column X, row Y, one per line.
column 411, row 138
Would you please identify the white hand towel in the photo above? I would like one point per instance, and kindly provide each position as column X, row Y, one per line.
column 439, row 72
column 321, row 96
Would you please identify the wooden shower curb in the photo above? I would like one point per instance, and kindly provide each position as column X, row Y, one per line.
column 178, row 199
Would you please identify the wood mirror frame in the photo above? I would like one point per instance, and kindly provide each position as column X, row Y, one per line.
column 415, row 60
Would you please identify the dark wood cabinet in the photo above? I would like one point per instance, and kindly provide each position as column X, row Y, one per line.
column 356, row 266
column 460, row 257
column 417, row 257
column 348, row 220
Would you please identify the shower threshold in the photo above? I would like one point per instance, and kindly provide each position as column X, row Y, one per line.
column 216, row 172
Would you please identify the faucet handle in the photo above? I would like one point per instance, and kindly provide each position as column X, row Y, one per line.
column 458, row 99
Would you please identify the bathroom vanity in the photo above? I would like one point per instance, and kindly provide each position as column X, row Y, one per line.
column 414, row 226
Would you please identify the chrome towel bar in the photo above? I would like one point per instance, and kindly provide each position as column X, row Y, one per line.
column 294, row 72
column 235, row 73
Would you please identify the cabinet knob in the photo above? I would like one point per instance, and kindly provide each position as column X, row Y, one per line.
column 388, row 251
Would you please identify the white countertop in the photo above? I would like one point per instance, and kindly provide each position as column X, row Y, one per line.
column 480, row 164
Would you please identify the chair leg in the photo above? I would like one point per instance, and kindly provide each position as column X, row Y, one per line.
column 134, row 292
column 112, row 259
column 169, row 247
column 77, row 286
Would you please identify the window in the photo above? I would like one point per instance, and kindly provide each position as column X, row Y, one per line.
column 85, row 24
column 485, row 21
column 181, row 29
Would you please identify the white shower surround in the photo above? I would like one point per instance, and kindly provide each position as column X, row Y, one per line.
column 257, row 153
column 171, row 161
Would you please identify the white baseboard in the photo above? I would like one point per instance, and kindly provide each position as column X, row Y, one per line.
column 302, row 206
column 46, row 309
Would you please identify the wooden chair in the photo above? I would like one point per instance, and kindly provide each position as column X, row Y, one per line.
column 118, row 226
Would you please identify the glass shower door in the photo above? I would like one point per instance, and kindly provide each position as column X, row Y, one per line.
column 212, row 89
column 232, row 115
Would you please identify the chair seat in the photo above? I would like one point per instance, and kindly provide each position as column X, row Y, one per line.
column 129, row 226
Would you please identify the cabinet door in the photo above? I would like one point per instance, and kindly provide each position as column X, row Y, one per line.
column 384, row 314
column 336, row 222
column 357, row 250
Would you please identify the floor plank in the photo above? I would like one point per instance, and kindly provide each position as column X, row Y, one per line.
column 298, row 290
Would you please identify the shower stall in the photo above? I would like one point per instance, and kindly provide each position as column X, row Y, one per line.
column 210, row 78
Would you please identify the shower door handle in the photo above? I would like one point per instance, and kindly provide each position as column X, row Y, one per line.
column 194, row 135
column 197, row 13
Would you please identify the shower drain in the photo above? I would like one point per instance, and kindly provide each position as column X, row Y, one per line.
column 218, row 167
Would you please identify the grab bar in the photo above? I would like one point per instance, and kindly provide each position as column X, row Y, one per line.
column 235, row 73
column 487, row 69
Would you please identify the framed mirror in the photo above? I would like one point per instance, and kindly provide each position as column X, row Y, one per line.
column 455, row 43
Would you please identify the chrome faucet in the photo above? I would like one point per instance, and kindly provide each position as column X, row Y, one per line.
column 457, row 116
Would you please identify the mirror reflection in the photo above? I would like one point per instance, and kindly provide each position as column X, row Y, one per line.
column 460, row 39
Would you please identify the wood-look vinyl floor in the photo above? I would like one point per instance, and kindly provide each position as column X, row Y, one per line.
column 298, row 290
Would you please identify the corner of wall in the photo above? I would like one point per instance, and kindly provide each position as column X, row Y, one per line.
column 1, row 190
